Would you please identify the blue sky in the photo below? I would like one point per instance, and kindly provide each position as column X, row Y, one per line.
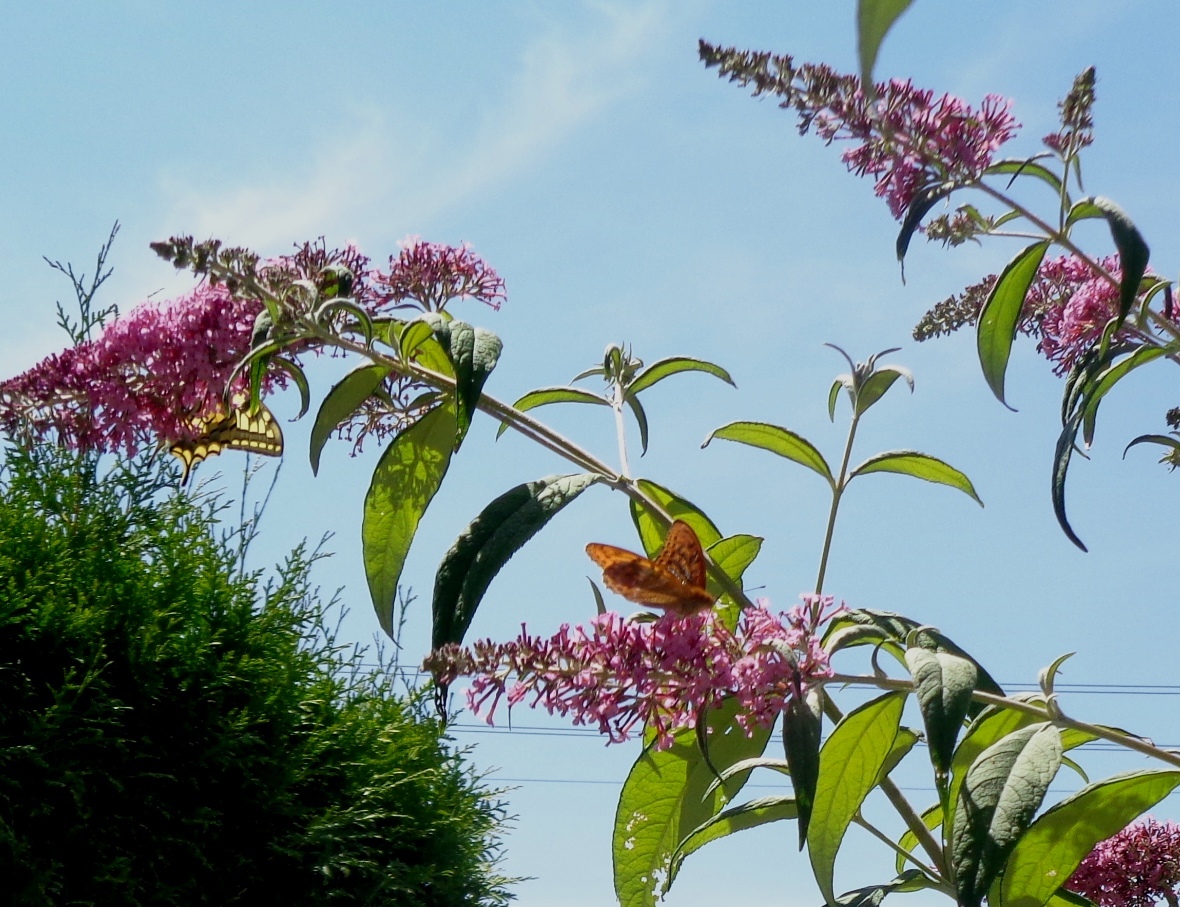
column 627, row 195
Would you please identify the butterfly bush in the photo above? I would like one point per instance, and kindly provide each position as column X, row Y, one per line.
column 906, row 138
column 161, row 370
column 622, row 675
column 1067, row 307
column 1138, row 867
column 431, row 274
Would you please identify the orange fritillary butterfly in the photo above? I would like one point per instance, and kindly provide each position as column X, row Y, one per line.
column 674, row 581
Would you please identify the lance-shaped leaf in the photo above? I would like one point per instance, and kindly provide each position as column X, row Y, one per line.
column 932, row 818
column 745, row 765
column 737, row 818
column 1108, row 378
column 422, row 340
column 1162, row 440
column 874, row 18
column 924, row 199
column 296, row 374
column 413, row 336
column 1000, row 795
column 1028, row 167
column 652, row 530
column 544, row 396
column 864, row 626
column 802, row 729
column 905, row 741
column 403, row 484
column 1062, row 454
column 1000, row 316
column 1133, row 250
column 1059, row 840
column 341, row 402
column 641, row 420
column 664, row 799
column 873, row 895
column 920, row 466
column 733, row 555
column 781, row 441
column 943, row 684
column 473, row 352
column 657, row 371
column 990, row 726
column 477, row 555
column 876, row 385
column 849, row 765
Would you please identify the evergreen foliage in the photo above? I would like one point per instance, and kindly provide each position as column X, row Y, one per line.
column 174, row 731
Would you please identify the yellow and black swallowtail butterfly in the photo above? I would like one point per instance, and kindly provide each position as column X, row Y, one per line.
column 256, row 432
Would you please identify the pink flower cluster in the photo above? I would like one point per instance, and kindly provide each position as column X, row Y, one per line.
column 1074, row 304
column 1138, row 867
column 911, row 141
column 150, row 374
column 157, row 372
column 623, row 675
column 431, row 274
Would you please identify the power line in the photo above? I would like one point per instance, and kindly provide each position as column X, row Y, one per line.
column 1106, row 689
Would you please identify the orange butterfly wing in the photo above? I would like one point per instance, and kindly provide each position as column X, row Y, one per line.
column 674, row 581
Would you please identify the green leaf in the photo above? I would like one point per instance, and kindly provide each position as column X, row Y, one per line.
column 746, row 765
column 1000, row 795
column 300, row 380
column 733, row 555
column 341, row 402
column 472, row 354
column 943, row 684
column 920, row 466
column 657, row 371
column 802, row 728
column 1061, row 457
column 894, row 633
column 1108, row 378
column 849, row 765
column 1000, row 316
column 878, row 383
column 641, row 421
column 413, row 336
column 874, row 18
column 873, row 895
column 1059, row 840
column 544, row 396
column 1133, row 251
column 833, row 396
column 931, row 818
column 501, row 529
column 924, row 199
column 461, row 345
column 737, row 818
column 403, row 484
column 1085, row 209
column 1163, row 440
column 991, row 725
column 664, row 799
column 652, row 530
column 1026, row 168
column 905, row 741
column 781, row 441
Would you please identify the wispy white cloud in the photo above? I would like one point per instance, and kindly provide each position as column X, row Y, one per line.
column 388, row 163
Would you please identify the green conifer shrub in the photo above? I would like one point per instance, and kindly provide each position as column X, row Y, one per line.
column 173, row 731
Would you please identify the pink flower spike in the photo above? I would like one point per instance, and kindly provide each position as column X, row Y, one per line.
column 1138, row 867
column 620, row 675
